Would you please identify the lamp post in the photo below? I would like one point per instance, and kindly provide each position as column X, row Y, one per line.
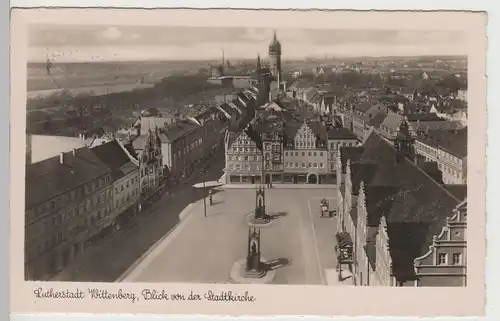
column 203, row 172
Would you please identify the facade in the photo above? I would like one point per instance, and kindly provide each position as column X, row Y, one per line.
column 125, row 176
column 243, row 161
column 305, row 153
column 271, row 136
column 187, row 142
column 151, row 170
column 338, row 137
column 68, row 201
column 446, row 262
column 449, row 150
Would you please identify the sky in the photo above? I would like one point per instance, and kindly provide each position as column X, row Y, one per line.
column 73, row 43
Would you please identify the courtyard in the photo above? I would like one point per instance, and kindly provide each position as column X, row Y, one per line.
column 203, row 249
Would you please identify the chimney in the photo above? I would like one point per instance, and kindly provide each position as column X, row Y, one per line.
column 61, row 158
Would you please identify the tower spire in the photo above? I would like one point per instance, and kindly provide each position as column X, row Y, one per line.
column 222, row 57
column 258, row 62
column 274, row 37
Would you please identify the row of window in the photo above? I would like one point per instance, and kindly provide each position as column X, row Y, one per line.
column 61, row 237
column 187, row 148
column 439, row 152
column 126, row 199
column 305, row 144
column 243, row 167
column 79, row 192
column 449, row 171
column 303, row 165
column 68, row 214
column 127, row 184
column 244, row 158
column 244, row 149
column 335, row 146
column 443, row 259
column 303, row 153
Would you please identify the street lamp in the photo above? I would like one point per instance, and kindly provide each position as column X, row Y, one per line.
column 203, row 172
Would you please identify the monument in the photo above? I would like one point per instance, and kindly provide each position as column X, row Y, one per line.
column 260, row 216
column 254, row 267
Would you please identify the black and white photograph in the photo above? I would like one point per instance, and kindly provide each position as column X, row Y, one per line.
column 251, row 155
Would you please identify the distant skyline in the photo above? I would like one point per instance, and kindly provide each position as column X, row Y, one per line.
column 70, row 43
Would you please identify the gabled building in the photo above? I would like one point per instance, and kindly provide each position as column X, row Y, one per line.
column 305, row 153
column 151, row 167
column 391, row 209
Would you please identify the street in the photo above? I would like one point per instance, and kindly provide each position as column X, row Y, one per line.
column 205, row 249
column 106, row 260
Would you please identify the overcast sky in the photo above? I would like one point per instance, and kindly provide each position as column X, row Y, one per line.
column 87, row 43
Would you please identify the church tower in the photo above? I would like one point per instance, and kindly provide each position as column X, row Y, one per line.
column 259, row 67
column 275, row 58
column 404, row 142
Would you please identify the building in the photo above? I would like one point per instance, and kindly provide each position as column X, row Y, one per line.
column 448, row 149
column 338, row 137
column 125, row 177
column 305, row 153
column 390, row 208
column 445, row 264
column 243, row 160
column 67, row 202
column 187, row 142
column 149, row 153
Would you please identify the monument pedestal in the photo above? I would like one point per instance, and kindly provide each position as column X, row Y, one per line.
column 240, row 274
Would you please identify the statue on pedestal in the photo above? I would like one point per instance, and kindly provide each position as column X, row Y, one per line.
column 260, row 207
column 260, row 216
column 253, row 266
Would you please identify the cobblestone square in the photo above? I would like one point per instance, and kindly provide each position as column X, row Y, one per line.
column 204, row 249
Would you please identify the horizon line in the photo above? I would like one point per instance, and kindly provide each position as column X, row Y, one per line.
column 463, row 56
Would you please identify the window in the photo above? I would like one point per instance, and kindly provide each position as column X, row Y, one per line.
column 296, row 153
column 442, row 258
column 457, row 258
column 303, row 153
column 315, row 164
column 303, row 165
column 309, row 153
column 309, row 165
column 286, row 153
column 322, row 165
column 320, row 153
column 297, row 165
column 314, row 154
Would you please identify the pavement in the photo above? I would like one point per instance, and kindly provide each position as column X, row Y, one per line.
column 206, row 248
column 108, row 259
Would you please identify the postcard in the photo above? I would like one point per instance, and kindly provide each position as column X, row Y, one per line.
column 246, row 162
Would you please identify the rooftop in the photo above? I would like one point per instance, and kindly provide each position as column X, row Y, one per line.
column 451, row 141
column 115, row 157
column 418, row 205
column 341, row 133
column 57, row 178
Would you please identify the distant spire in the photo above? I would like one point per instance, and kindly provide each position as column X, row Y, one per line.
column 274, row 37
column 222, row 57
column 258, row 62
